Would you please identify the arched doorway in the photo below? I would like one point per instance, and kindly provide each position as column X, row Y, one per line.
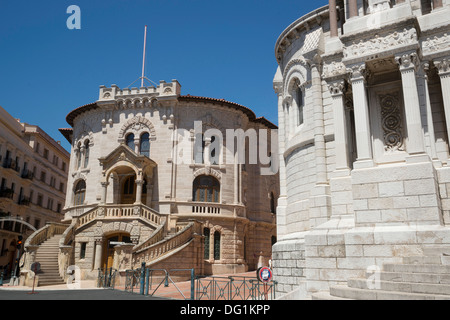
column 110, row 243
column 128, row 189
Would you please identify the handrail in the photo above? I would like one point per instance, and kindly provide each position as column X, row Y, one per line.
column 155, row 237
column 45, row 233
column 160, row 248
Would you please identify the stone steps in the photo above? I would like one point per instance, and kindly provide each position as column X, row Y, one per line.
column 47, row 256
column 406, row 287
column 344, row 291
column 417, row 278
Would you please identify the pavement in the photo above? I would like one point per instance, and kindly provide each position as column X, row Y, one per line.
column 87, row 290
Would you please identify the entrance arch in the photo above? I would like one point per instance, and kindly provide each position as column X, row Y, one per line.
column 129, row 174
column 110, row 242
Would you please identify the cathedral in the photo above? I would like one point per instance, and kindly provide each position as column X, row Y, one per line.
column 363, row 92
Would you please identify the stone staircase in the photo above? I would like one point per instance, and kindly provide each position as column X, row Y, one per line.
column 47, row 256
column 417, row 278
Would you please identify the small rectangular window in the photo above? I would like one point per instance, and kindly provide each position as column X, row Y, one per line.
column 83, row 250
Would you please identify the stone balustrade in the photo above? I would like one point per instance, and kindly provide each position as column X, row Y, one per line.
column 209, row 208
column 118, row 211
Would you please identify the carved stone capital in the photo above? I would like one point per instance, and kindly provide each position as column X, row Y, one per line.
column 443, row 66
column 407, row 61
column 337, row 87
column 358, row 72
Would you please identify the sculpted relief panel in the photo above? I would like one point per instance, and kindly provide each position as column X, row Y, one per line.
column 378, row 43
column 391, row 122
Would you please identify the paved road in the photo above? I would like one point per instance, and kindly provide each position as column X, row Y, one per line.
column 99, row 294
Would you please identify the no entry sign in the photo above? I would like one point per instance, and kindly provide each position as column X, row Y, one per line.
column 264, row 274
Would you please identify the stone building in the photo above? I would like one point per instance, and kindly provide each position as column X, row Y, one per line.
column 364, row 112
column 152, row 179
column 33, row 177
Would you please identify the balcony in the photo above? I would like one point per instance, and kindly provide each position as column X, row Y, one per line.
column 9, row 163
column 24, row 201
column 193, row 208
column 27, row 174
column 119, row 212
column 7, row 193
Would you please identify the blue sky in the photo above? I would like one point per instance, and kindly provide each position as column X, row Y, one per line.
column 217, row 49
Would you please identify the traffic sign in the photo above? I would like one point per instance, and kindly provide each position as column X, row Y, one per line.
column 264, row 274
column 35, row 267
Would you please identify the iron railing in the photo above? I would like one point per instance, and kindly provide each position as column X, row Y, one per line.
column 106, row 278
column 233, row 288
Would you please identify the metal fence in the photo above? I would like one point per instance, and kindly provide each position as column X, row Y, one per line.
column 106, row 278
column 233, row 288
column 161, row 283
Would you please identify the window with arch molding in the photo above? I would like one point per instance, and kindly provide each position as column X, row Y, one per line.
column 144, row 144
column 130, row 141
column 86, row 153
column 78, row 155
column 300, row 100
column 217, row 245
column 206, row 189
column 79, row 193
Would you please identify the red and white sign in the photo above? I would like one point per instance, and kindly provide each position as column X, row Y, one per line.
column 264, row 274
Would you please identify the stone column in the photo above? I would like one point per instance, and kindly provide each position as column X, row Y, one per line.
column 281, row 140
column 408, row 64
column 361, row 111
column 340, row 129
column 430, row 125
column 98, row 253
column 139, row 184
column 443, row 66
column 319, row 130
column 333, row 19
column 353, row 8
column 104, row 191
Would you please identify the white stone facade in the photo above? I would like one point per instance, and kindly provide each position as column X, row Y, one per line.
column 235, row 216
column 364, row 145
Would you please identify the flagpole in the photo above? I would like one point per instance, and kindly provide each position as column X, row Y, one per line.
column 143, row 58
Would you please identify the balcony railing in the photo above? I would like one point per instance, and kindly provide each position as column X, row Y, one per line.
column 7, row 193
column 9, row 163
column 27, row 174
column 120, row 211
column 209, row 208
column 24, row 201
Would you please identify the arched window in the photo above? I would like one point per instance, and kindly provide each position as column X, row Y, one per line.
column 272, row 203
column 207, row 234
column 130, row 141
column 80, row 193
column 86, row 153
column 199, row 147
column 300, row 105
column 128, row 186
column 79, row 156
column 144, row 146
column 213, row 150
column 217, row 245
column 206, row 189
